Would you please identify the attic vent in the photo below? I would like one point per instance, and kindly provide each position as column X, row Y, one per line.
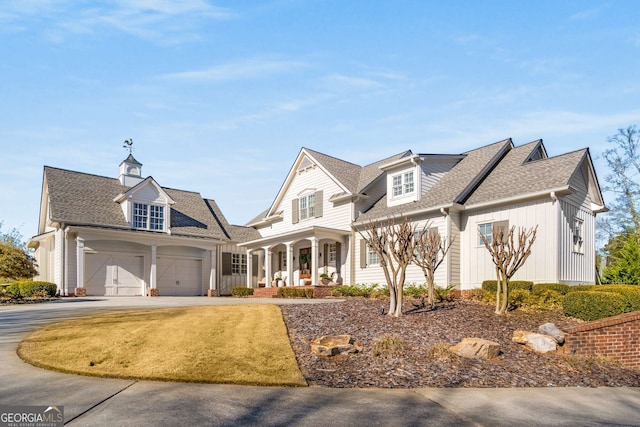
column 305, row 164
column 537, row 154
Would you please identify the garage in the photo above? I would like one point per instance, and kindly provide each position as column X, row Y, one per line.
column 179, row 276
column 113, row 274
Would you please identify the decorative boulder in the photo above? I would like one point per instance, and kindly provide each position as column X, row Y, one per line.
column 553, row 331
column 537, row 342
column 476, row 348
column 333, row 345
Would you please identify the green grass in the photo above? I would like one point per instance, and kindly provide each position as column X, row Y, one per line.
column 230, row 344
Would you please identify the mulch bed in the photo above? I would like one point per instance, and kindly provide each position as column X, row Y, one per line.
column 424, row 331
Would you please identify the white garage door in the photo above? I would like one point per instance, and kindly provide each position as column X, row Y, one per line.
column 113, row 274
column 177, row 276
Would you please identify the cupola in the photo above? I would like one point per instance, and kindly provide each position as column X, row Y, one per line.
column 130, row 171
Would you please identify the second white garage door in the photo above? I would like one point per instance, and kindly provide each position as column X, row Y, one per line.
column 179, row 276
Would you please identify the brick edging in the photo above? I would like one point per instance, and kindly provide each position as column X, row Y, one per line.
column 606, row 322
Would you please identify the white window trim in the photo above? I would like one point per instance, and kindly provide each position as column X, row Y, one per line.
column 372, row 257
column 148, row 216
column 494, row 223
column 309, row 211
column 238, row 263
column 402, row 177
column 577, row 237
column 332, row 252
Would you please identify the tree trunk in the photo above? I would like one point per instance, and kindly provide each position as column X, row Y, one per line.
column 505, row 295
column 498, row 290
column 392, row 301
column 430, row 280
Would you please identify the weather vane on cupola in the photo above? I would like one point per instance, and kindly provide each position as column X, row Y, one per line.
column 128, row 144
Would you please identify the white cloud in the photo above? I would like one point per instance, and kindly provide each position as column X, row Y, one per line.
column 586, row 14
column 342, row 81
column 251, row 68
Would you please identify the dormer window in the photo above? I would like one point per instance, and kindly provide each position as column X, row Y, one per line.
column 148, row 217
column 403, row 184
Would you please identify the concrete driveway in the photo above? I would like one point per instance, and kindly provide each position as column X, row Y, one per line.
column 105, row 402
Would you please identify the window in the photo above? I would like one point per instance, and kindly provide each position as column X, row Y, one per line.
column 332, row 252
column 307, row 206
column 156, row 217
column 238, row 264
column 487, row 230
column 372, row 256
column 140, row 215
column 402, row 184
column 148, row 217
column 578, row 226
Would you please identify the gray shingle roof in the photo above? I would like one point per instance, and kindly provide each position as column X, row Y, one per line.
column 78, row 198
column 513, row 177
column 236, row 233
column 452, row 186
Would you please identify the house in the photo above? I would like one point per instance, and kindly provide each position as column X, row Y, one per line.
column 312, row 225
column 130, row 236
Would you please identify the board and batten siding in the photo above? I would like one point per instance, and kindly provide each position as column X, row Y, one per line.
column 577, row 266
column 370, row 274
column 540, row 267
column 333, row 216
column 454, row 251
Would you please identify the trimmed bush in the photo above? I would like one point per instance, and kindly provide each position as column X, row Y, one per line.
column 630, row 293
column 241, row 291
column 590, row 305
column 443, row 293
column 517, row 298
column 492, row 285
column 290, row 292
column 545, row 298
column 354, row 290
column 561, row 288
column 580, row 288
column 415, row 291
column 29, row 288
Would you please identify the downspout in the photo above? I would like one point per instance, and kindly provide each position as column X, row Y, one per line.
column 444, row 213
column 63, row 258
column 558, row 233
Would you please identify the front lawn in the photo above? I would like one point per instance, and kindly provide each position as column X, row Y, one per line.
column 228, row 344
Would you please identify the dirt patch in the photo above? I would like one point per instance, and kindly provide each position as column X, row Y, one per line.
column 423, row 361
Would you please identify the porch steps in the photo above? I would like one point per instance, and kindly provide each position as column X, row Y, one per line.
column 265, row 292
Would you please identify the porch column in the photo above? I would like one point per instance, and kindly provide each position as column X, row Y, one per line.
column 65, row 286
column 314, row 260
column 153, row 276
column 250, row 268
column 289, row 246
column 80, row 261
column 214, row 267
column 267, row 266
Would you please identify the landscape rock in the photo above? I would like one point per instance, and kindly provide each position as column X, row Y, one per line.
column 334, row 345
column 553, row 331
column 537, row 342
column 476, row 348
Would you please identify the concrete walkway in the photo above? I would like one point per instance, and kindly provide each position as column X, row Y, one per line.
column 104, row 402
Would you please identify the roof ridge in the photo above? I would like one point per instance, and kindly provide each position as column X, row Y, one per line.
column 82, row 173
column 328, row 155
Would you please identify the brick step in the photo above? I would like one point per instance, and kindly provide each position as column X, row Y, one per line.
column 265, row 292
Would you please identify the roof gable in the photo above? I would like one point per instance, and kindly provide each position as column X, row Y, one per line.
column 148, row 191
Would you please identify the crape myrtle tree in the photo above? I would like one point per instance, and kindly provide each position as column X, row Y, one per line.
column 508, row 255
column 392, row 240
column 15, row 261
column 429, row 252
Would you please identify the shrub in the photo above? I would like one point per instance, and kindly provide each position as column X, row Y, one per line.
column 517, row 298
column 29, row 289
column 545, row 298
column 360, row 290
column 492, row 285
column 415, row 291
column 290, row 292
column 561, row 288
column 241, row 291
column 440, row 351
column 443, row 293
column 580, row 288
column 590, row 305
column 380, row 292
column 630, row 293
column 476, row 294
column 389, row 345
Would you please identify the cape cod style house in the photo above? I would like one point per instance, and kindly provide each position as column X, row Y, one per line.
column 130, row 236
column 311, row 226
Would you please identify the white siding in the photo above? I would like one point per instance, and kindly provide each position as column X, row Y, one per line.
column 432, row 171
column 541, row 266
column 314, row 179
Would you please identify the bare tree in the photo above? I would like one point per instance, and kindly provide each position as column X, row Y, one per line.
column 508, row 257
column 394, row 245
column 430, row 251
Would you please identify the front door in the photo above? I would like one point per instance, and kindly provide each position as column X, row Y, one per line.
column 305, row 263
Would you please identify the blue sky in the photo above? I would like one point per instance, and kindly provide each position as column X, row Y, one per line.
column 220, row 96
